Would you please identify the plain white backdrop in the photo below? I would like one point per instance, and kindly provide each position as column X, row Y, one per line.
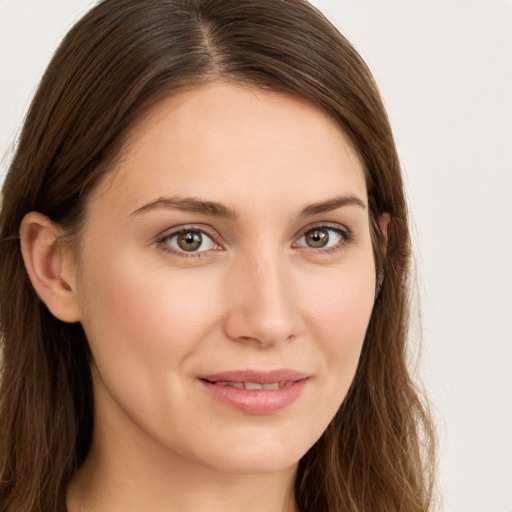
column 445, row 72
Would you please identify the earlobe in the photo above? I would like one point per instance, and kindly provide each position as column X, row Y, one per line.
column 49, row 266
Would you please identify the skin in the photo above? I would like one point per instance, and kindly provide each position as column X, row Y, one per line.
column 254, row 296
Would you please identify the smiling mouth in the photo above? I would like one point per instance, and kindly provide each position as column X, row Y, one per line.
column 256, row 392
column 252, row 386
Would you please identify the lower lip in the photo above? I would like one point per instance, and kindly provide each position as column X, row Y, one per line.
column 260, row 401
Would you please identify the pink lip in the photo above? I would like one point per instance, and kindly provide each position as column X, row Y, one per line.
column 257, row 402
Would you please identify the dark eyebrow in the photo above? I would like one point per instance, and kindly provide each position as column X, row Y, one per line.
column 188, row 204
column 333, row 204
column 191, row 204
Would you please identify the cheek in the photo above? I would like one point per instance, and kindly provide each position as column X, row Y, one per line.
column 340, row 302
column 145, row 327
column 338, row 313
column 142, row 317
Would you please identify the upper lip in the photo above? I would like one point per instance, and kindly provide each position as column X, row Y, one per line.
column 256, row 376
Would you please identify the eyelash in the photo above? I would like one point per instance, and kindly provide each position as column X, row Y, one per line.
column 163, row 243
column 346, row 237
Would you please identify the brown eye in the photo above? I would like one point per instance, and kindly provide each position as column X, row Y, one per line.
column 317, row 238
column 190, row 240
column 324, row 237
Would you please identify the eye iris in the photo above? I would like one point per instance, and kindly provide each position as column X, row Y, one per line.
column 317, row 238
column 190, row 240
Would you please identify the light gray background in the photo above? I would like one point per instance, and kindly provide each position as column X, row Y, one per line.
column 445, row 71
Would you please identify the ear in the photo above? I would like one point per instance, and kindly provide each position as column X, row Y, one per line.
column 384, row 224
column 50, row 266
column 381, row 275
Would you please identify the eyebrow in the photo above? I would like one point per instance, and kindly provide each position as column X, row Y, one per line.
column 214, row 209
column 189, row 204
column 333, row 204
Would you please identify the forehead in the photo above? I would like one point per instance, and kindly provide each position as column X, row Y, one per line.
column 236, row 143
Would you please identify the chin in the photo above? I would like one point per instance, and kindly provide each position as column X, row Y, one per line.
column 259, row 456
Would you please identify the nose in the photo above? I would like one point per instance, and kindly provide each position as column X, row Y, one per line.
column 261, row 303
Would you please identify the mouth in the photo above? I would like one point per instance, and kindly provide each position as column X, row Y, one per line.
column 253, row 386
column 255, row 392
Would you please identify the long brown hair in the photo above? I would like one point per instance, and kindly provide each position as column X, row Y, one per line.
column 122, row 57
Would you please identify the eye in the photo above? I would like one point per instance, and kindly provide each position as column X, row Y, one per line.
column 188, row 240
column 323, row 237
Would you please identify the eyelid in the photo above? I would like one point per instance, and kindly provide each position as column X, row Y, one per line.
column 176, row 230
column 346, row 235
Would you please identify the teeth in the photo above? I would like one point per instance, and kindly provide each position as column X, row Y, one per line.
column 252, row 386
column 239, row 385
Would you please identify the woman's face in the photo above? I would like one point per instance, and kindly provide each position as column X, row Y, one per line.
column 226, row 280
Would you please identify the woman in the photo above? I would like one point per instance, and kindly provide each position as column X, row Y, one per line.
column 208, row 306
